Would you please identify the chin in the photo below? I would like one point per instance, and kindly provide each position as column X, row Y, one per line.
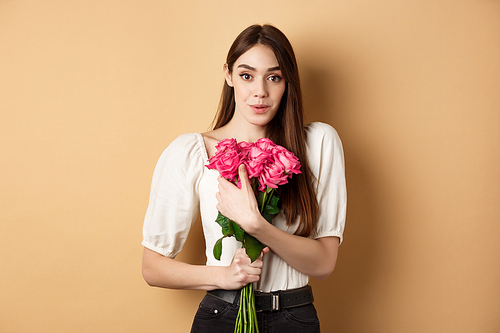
column 262, row 119
column 260, row 122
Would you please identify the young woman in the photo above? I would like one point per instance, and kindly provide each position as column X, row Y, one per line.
column 261, row 97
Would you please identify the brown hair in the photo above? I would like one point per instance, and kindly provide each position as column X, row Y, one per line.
column 286, row 128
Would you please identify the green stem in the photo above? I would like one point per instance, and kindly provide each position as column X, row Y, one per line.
column 255, row 325
column 267, row 197
column 245, row 309
column 246, row 320
column 263, row 202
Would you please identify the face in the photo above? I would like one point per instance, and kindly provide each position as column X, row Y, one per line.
column 258, row 85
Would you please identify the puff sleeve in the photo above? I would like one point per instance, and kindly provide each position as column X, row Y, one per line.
column 174, row 200
column 326, row 160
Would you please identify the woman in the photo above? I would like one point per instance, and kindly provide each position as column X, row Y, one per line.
column 261, row 98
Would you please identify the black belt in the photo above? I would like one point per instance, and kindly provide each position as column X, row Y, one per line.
column 273, row 301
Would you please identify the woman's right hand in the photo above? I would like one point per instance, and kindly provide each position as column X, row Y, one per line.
column 165, row 272
column 242, row 271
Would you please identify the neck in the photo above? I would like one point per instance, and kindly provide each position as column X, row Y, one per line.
column 244, row 132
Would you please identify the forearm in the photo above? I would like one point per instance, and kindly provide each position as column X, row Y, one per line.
column 164, row 272
column 314, row 257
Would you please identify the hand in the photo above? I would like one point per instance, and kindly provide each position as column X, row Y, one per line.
column 239, row 204
column 242, row 271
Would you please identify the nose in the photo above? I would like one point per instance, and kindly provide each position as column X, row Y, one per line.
column 260, row 89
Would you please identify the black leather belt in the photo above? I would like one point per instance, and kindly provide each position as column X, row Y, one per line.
column 273, row 301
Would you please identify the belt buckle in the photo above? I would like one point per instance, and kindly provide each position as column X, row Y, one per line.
column 275, row 302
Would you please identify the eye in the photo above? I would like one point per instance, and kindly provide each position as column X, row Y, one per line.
column 275, row 78
column 246, row 76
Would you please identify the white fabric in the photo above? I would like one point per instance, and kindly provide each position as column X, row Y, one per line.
column 182, row 184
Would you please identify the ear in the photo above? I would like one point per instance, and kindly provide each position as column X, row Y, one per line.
column 227, row 75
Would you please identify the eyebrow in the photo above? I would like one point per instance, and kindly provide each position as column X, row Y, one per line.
column 254, row 69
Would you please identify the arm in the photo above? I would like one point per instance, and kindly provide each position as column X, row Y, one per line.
column 172, row 209
column 165, row 272
column 314, row 257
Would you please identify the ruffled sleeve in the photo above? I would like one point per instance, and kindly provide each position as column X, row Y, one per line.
column 174, row 200
column 326, row 160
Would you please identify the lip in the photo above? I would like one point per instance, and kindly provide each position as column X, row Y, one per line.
column 259, row 108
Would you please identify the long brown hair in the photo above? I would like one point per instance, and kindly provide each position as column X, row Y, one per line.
column 286, row 128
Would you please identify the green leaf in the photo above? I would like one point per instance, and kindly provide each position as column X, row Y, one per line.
column 271, row 210
column 252, row 247
column 218, row 248
column 268, row 217
column 274, row 200
column 238, row 232
column 230, row 228
column 227, row 229
column 221, row 219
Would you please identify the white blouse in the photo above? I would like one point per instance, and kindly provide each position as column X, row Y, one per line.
column 182, row 184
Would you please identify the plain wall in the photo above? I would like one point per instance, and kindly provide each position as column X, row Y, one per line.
column 91, row 93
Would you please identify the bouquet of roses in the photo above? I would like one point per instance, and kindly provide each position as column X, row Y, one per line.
column 268, row 165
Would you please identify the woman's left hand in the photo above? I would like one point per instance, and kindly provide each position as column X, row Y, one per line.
column 239, row 204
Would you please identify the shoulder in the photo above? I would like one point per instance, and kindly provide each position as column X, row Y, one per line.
column 318, row 132
column 185, row 150
column 187, row 140
column 324, row 148
column 185, row 144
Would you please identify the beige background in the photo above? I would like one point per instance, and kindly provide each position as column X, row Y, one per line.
column 91, row 92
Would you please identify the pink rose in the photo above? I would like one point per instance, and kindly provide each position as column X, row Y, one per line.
column 230, row 144
column 227, row 159
column 272, row 176
column 265, row 144
column 223, row 147
column 254, row 169
column 245, row 148
column 256, row 161
column 288, row 161
column 264, row 160
column 228, row 164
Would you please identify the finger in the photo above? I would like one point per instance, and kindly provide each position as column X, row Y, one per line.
column 259, row 261
column 224, row 181
column 264, row 251
column 219, row 208
column 242, row 172
column 218, row 198
column 257, row 264
column 253, row 270
column 241, row 253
